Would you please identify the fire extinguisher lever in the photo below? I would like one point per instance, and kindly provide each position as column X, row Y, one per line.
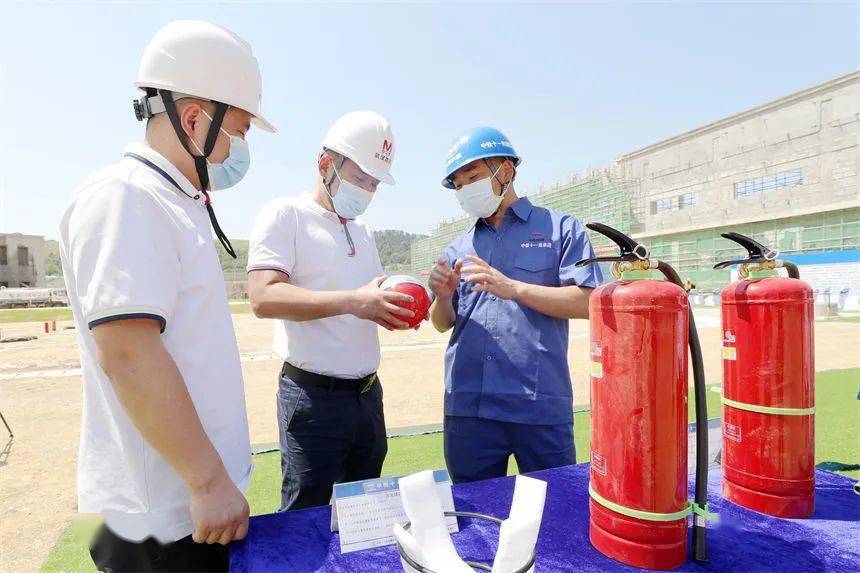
column 756, row 251
column 630, row 249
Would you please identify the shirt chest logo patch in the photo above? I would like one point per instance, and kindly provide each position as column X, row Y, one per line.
column 536, row 241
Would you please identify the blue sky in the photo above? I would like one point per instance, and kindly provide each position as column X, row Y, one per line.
column 572, row 85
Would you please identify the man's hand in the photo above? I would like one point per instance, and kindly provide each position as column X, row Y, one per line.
column 443, row 279
column 372, row 303
column 219, row 511
column 487, row 279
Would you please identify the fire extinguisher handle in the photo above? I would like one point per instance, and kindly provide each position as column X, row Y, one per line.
column 757, row 252
column 584, row 262
column 630, row 249
column 725, row 264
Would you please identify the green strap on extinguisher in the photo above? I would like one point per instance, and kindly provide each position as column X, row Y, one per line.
column 691, row 509
column 767, row 409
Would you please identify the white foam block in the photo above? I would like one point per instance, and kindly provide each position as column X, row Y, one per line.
column 517, row 540
column 428, row 529
column 410, row 547
column 422, row 506
column 519, row 533
column 529, row 498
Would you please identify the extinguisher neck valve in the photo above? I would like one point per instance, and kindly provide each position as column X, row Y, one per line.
column 633, row 270
column 759, row 270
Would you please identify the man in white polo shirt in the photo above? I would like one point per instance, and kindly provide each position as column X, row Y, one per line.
column 314, row 266
column 164, row 448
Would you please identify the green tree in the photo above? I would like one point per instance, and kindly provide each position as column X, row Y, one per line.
column 53, row 268
column 394, row 252
column 395, row 248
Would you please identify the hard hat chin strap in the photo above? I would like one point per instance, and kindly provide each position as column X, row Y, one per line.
column 200, row 160
column 211, row 136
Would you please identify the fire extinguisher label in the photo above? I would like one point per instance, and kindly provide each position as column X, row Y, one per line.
column 729, row 352
column 596, row 359
column 598, row 463
column 732, row 432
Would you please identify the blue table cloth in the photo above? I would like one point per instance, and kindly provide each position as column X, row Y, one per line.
column 744, row 540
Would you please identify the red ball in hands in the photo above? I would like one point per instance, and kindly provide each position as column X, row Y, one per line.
column 408, row 285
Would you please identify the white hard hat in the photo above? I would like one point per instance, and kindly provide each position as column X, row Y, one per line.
column 200, row 59
column 364, row 137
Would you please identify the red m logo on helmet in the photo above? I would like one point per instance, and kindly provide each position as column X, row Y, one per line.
column 387, row 146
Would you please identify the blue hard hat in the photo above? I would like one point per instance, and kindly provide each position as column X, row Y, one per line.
column 477, row 143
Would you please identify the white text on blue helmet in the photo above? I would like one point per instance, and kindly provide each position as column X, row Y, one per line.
column 488, row 144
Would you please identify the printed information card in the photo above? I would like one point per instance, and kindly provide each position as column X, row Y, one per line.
column 365, row 511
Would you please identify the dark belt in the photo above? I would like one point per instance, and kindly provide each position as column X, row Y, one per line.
column 305, row 378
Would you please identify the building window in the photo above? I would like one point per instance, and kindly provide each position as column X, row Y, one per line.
column 23, row 257
column 687, row 200
column 661, row 206
column 4, row 257
column 768, row 183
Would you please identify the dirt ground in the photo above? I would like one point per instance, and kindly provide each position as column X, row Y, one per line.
column 40, row 395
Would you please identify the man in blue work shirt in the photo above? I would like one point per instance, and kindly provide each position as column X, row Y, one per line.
column 508, row 287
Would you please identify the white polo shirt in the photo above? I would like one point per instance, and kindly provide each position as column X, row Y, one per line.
column 133, row 245
column 298, row 237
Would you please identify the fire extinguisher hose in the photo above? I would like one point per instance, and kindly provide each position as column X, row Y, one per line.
column 793, row 271
column 700, row 546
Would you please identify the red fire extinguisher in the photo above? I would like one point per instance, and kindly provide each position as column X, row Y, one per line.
column 768, row 385
column 640, row 330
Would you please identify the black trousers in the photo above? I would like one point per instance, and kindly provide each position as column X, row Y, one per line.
column 113, row 554
column 327, row 436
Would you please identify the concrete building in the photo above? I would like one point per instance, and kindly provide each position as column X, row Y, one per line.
column 22, row 260
column 785, row 172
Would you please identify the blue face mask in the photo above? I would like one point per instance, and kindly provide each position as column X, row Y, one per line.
column 234, row 167
column 350, row 200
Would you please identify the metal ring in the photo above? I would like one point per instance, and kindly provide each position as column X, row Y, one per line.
column 644, row 248
column 481, row 566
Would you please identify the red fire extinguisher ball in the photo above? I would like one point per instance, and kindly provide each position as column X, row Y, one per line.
column 420, row 304
column 638, row 487
column 768, row 386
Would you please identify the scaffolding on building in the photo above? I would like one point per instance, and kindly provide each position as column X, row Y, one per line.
column 604, row 196
column 596, row 196
column 600, row 196
column 425, row 252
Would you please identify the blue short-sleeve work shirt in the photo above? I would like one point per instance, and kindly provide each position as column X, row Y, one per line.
column 506, row 361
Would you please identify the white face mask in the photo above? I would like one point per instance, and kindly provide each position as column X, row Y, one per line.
column 478, row 199
column 350, row 200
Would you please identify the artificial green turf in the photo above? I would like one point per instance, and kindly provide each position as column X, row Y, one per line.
column 34, row 314
column 837, row 418
column 847, row 318
column 836, row 430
